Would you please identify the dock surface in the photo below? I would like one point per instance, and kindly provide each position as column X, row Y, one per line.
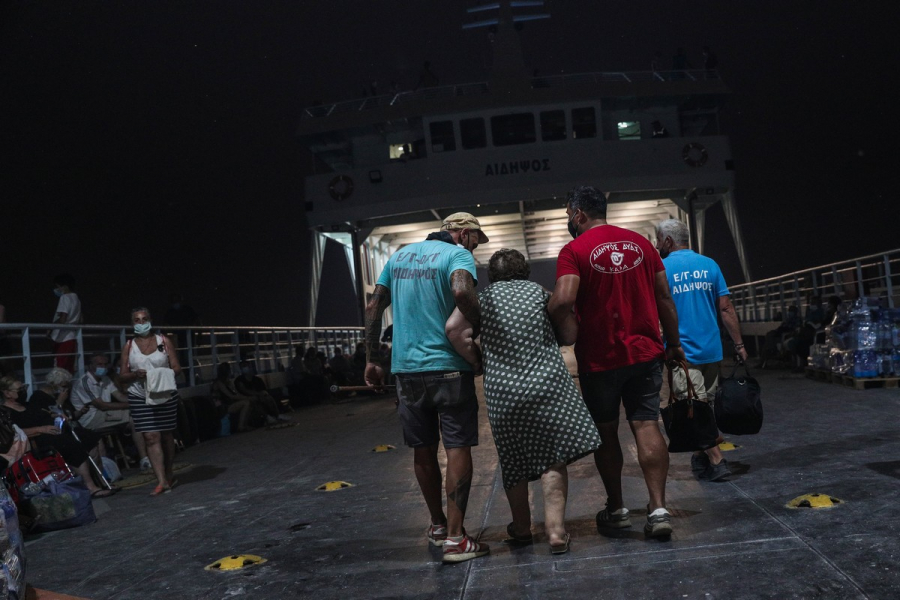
column 255, row 494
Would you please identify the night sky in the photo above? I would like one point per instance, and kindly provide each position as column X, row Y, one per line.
column 148, row 147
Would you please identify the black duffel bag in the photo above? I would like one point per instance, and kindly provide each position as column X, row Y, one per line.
column 738, row 405
column 690, row 423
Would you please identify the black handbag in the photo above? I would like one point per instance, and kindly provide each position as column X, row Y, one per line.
column 738, row 405
column 690, row 423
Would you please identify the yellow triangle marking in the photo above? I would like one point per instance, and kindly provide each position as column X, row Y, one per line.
column 814, row 501
column 235, row 562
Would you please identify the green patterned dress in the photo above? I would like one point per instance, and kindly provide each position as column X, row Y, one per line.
column 537, row 415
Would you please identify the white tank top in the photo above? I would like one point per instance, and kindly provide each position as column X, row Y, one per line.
column 138, row 360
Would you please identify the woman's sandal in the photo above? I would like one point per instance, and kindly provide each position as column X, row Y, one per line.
column 517, row 540
column 160, row 489
column 102, row 493
column 561, row 548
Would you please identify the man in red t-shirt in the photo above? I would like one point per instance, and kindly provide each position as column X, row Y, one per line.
column 616, row 283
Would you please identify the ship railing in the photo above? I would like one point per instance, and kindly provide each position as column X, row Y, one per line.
column 26, row 350
column 481, row 87
column 873, row 276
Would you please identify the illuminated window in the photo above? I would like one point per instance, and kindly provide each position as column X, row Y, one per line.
column 508, row 130
column 472, row 133
column 442, row 136
column 584, row 123
column 629, row 130
column 553, row 125
column 398, row 150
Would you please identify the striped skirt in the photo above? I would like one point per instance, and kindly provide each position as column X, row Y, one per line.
column 153, row 417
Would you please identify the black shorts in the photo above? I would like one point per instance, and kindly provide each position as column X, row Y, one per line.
column 436, row 404
column 636, row 386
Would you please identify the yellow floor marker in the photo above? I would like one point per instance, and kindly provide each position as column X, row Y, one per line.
column 383, row 448
column 332, row 486
column 235, row 562
column 814, row 501
column 727, row 447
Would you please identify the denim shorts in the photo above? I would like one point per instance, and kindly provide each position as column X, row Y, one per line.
column 636, row 387
column 438, row 404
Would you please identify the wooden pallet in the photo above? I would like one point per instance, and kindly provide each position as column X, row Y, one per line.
column 818, row 374
column 865, row 383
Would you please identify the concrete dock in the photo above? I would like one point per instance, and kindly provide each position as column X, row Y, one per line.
column 255, row 494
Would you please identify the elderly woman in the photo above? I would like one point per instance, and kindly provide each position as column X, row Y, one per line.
column 539, row 420
column 36, row 419
column 143, row 353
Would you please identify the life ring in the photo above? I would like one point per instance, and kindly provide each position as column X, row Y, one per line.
column 694, row 154
column 341, row 187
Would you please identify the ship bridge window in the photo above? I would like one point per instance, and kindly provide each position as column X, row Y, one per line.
column 508, row 130
column 584, row 123
column 472, row 133
column 629, row 130
column 553, row 125
column 442, row 136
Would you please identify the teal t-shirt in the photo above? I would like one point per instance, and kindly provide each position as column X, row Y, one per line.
column 419, row 279
column 696, row 283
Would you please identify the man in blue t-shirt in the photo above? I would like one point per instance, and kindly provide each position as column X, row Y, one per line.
column 701, row 297
column 436, row 399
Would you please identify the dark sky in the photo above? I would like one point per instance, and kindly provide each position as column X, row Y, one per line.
column 149, row 147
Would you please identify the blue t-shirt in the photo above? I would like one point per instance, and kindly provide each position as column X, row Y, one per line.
column 419, row 279
column 696, row 284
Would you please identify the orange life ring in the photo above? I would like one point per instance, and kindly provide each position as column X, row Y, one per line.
column 341, row 187
column 694, row 154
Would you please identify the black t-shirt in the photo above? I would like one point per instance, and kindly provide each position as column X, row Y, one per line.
column 35, row 413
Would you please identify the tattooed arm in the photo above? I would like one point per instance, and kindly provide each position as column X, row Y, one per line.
column 379, row 301
column 463, row 287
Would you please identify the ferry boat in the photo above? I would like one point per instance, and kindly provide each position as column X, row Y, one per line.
column 507, row 150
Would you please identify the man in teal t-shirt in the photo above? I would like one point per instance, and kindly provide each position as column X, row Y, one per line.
column 436, row 398
column 701, row 297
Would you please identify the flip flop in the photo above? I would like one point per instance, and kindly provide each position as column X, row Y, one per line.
column 102, row 494
column 517, row 540
column 561, row 548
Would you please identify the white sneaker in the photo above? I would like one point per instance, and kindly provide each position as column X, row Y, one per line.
column 145, row 464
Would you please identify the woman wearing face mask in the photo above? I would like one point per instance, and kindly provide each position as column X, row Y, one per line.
column 157, row 422
column 36, row 419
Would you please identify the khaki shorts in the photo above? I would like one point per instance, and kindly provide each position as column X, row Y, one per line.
column 704, row 377
column 107, row 418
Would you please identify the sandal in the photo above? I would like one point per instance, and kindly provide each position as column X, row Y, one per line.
column 159, row 489
column 517, row 540
column 561, row 548
column 102, row 493
column 170, row 485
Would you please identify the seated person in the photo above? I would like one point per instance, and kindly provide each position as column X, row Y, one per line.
column 101, row 405
column 225, row 395
column 36, row 419
column 297, row 368
column 249, row 384
column 789, row 325
column 340, row 367
column 806, row 335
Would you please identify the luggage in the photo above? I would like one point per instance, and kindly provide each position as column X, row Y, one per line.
column 60, row 505
column 690, row 423
column 35, row 468
column 738, row 404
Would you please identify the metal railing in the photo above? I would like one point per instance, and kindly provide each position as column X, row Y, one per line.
column 27, row 351
column 481, row 87
column 874, row 275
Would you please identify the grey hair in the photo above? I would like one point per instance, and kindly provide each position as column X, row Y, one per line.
column 58, row 377
column 676, row 230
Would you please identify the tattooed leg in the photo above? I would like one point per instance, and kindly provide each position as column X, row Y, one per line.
column 459, row 483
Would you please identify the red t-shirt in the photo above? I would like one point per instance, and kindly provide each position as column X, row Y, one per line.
column 618, row 324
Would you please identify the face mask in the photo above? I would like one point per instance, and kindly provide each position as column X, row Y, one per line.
column 100, row 371
column 142, row 328
column 57, row 292
column 571, row 226
column 663, row 252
